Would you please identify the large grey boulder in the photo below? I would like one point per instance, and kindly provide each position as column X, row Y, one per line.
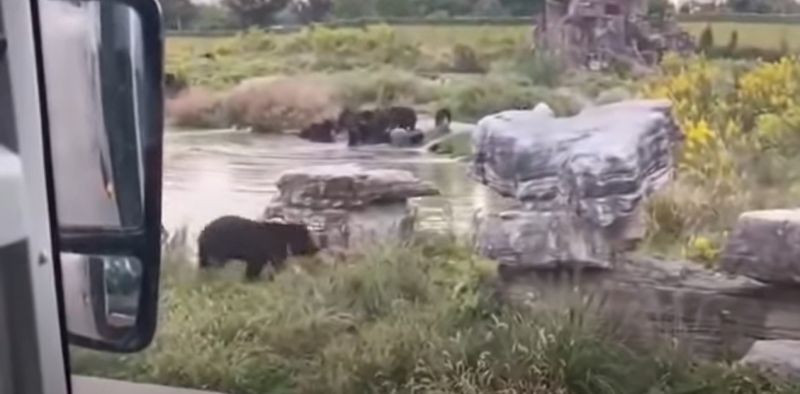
column 600, row 163
column 581, row 181
column 765, row 245
column 347, row 206
column 780, row 358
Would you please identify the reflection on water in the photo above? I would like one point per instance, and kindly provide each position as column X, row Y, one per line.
column 209, row 174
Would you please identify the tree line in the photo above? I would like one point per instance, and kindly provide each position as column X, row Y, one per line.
column 231, row 14
column 186, row 15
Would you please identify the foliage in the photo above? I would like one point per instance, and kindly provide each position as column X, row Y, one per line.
column 342, row 49
column 472, row 100
column 702, row 249
column 312, row 10
column 466, row 60
column 280, row 103
column 384, row 87
column 255, row 12
column 351, row 9
column 419, row 317
column 706, row 42
column 733, row 42
column 196, row 108
column 740, row 123
column 177, row 14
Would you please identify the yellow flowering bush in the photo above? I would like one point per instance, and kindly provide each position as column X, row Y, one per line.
column 771, row 88
column 742, row 132
column 702, row 249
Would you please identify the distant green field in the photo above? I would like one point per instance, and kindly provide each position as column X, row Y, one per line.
column 764, row 35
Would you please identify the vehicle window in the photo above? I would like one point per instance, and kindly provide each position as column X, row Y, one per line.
column 471, row 196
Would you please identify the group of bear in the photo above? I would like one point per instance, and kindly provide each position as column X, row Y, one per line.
column 396, row 125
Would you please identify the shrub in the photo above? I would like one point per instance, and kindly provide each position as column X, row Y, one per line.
column 478, row 98
column 280, row 103
column 733, row 43
column 345, row 49
column 706, row 42
column 465, row 60
column 196, row 108
column 703, row 250
column 540, row 67
column 384, row 87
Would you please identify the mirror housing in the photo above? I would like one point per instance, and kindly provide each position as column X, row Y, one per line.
column 127, row 64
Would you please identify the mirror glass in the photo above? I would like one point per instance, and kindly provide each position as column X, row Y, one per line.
column 101, row 295
column 92, row 72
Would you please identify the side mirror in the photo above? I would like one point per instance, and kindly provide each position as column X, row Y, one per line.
column 102, row 63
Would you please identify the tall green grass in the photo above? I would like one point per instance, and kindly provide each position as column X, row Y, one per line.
column 422, row 317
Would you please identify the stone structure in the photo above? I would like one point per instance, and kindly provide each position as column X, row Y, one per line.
column 348, row 206
column 596, row 34
column 780, row 358
column 765, row 245
column 580, row 180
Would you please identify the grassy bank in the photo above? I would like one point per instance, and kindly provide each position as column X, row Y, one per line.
column 421, row 318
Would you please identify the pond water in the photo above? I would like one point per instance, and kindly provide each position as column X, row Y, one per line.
column 208, row 174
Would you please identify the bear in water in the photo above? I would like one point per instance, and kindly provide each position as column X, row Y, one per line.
column 320, row 132
column 401, row 117
column 256, row 243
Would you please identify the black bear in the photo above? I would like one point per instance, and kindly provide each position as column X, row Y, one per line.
column 319, row 132
column 443, row 117
column 255, row 243
column 401, row 117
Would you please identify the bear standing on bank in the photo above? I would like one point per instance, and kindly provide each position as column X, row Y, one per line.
column 256, row 243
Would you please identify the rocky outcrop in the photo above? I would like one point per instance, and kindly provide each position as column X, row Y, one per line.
column 765, row 245
column 709, row 314
column 581, row 180
column 347, row 206
column 780, row 358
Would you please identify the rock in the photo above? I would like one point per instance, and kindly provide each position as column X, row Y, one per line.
column 599, row 164
column 780, row 358
column 541, row 240
column 347, row 206
column 346, row 229
column 710, row 314
column 765, row 245
column 348, row 187
column 400, row 138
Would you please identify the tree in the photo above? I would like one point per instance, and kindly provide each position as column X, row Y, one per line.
column 178, row 14
column 658, row 11
column 523, row 7
column 255, row 12
column 706, row 43
column 396, row 8
column 733, row 43
column 489, row 8
column 755, row 6
column 312, row 10
column 351, row 9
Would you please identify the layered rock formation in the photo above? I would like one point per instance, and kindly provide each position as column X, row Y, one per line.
column 585, row 176
column 348, row 206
